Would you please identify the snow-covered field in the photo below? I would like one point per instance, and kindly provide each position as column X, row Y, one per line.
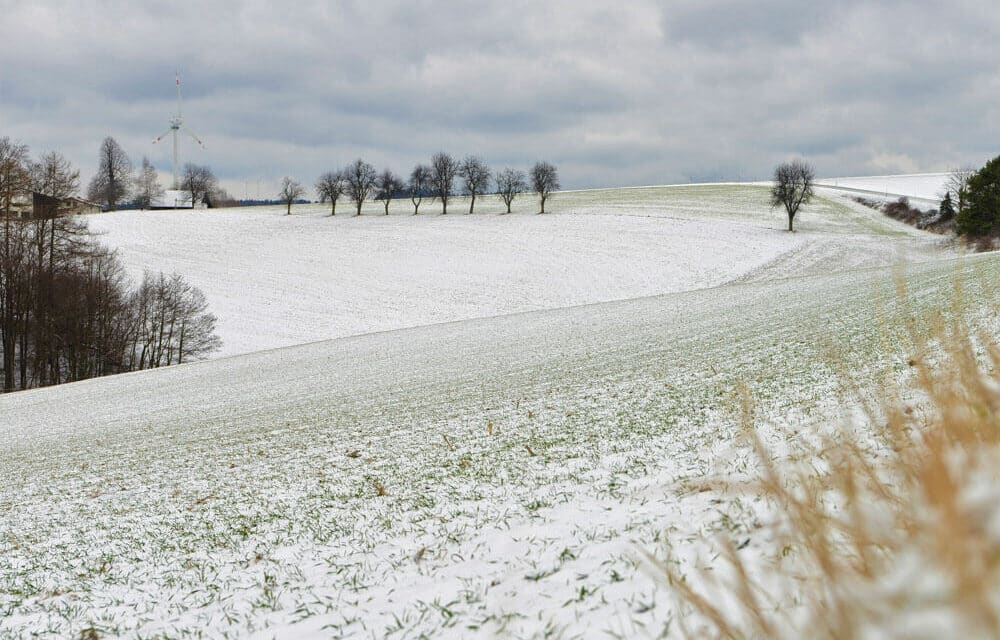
column 499, row 476
column 928, row 188
column 274, row 280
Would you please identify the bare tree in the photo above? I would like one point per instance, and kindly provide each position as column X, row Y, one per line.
column 793, row 187
column 54, row 176
column 420, row 183
column 957, row 185
column 330, row 187
column 49, row 233
column 388, row 186
column 510, row 184
column 147, row 185
column 444, row 168
column 199, row 181
column 15, row 180
column 172, row 323
column 15, row 175
column 544, row 180
column 475, row 178
column 113, row 180
column 55, row 241
column 360, row 178
column 290, row 192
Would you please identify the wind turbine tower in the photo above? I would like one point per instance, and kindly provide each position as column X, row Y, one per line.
column 176, row 126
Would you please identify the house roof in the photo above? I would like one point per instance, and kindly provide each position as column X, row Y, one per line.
column 86, row 202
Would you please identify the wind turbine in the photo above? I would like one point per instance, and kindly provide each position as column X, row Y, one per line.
column 176, row 126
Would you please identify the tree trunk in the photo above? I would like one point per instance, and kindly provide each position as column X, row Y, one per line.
column 472, row 203
column 333, row 208
column 8, row 354
column 359, row 208
column 8, row 330
column 24, row 356
column 386, row 206
column 791, row 216
column 543, row 205
column 289, row 211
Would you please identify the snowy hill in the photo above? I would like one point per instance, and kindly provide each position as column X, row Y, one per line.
column 276, row 280
column 485, row 477
column 927, row 188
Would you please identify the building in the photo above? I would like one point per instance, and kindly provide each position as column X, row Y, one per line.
column 78, row 206
column 40, row 205
column 43, row 206
column 20, row 207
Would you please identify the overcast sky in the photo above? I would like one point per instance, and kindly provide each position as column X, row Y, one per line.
column 628, row 92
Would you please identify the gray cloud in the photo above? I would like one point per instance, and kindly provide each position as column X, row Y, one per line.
column 733, row 24
column 632, row 93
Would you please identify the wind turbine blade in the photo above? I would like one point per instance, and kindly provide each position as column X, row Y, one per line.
column 194, row 137
column 162, row 135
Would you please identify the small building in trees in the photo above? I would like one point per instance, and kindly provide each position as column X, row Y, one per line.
column 20, row 207
column 77, row 206
column 43, row 206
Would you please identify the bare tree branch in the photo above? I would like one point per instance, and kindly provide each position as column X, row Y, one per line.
column 475, row 177
column 360, row 177
column 330, row 187
column 388, row 185
column 793, row 187
column 510, row 184
column 290, row 192
column 113, row 181
column 544, row 180
column 444, row 169
column 199, row 181
column 147, row 185
column 419, row 185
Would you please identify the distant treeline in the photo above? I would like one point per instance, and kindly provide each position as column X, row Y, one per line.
column 267, row 203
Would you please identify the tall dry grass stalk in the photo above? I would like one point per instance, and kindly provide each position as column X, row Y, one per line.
column 887, row 531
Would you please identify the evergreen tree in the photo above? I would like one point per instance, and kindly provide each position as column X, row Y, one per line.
column 981, row 214
column 947, row 209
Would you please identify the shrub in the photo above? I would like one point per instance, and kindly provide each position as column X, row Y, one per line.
column 929, row 220
column 895, row 533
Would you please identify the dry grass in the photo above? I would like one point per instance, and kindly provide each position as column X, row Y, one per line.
column 890, row 529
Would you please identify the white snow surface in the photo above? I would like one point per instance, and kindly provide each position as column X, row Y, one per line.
column 927, row 187
column 506, row 476
column 274, row 280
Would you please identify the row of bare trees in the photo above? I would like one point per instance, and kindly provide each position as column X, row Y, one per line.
column 440, row 180
column 66, row 309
